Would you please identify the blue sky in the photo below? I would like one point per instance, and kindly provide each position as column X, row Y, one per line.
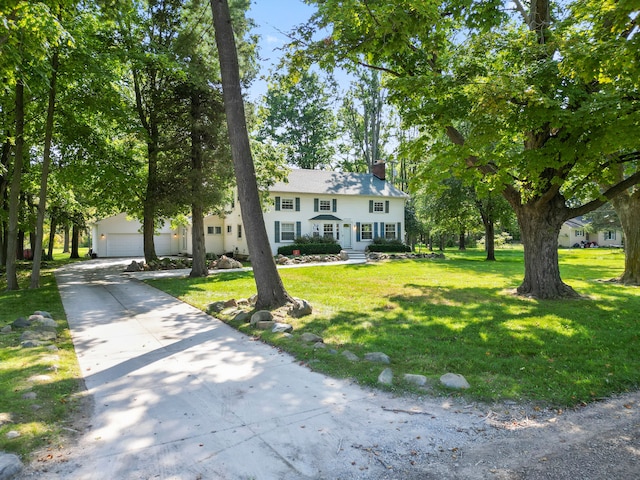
column 273, row 17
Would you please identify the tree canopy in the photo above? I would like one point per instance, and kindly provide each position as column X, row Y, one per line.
column 546, row 92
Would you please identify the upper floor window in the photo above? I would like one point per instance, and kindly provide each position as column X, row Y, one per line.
column 209, row 230
column 378, row 206
column 325, row 205
column 239, row 231
column 286, row 204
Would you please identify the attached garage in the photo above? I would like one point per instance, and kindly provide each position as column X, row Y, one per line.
column 124, row 245
column 119, row 236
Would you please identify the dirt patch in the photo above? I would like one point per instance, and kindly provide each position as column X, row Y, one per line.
column 505, row 441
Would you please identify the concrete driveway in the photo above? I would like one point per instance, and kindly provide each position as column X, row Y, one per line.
column 180, row 395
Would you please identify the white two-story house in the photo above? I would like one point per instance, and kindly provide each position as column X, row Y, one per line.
column 353, row 208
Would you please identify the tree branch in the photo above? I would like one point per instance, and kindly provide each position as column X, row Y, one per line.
column 614, row 191
column 522, row 11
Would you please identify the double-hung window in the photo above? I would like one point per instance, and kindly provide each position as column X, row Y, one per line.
column 390, row 231
column 328, row 230
column 287, row 232
column 286, row 204
column 366, row 232
column 325, row 205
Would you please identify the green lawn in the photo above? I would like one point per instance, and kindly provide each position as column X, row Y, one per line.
column 40, row 421
column 460, row 315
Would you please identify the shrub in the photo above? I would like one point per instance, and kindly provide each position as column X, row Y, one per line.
column 384, row 245
column 310, row 248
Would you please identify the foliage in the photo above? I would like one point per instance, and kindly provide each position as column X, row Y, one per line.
column 297, row 115
column 387, row 245
column 436, row 316
column 58, row 397
column 311, row 245
column 527, row 101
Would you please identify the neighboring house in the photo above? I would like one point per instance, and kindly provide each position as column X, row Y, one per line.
column 353, row 208
column 120, row 236
column 575, row 232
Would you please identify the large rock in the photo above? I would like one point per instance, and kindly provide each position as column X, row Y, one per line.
column 42, row 336
column 39, row 320
column 352, row 357
column 454, row 380
column 226, row 263
column 344, row 256
column 10, row 466
column 377, row 357
column 261, row 316
column 386, row 377
column 43, row 313
column 311, row 338
column 419, row 380
column 282, row 328
column 134, row 267
column 300, row 308
column 20, row 322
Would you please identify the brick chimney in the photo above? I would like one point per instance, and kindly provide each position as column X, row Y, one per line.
column 378, row 170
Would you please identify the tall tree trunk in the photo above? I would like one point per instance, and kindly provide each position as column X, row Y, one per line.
column 271, row 292
column 65, row 247
column 48, row 134
column 627, row 207
column 199, row 256
column 14, row 193
column 461, row 239
column 75, row 241
column 540, row 227
column 52, row 237
column 489, row 240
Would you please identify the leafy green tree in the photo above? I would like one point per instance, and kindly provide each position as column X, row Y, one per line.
column 547, row 95
column 298, row 114
column 363, row 120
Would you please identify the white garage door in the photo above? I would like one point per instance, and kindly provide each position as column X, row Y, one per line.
column 162, row 243
column 125, row 245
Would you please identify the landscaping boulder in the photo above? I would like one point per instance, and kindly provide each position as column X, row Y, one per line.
column 344, row 256
column 419, row 380
column 282, row 328
column 20, row 322
column 6, row 329
column 352, row 357
column 264, row 325
column 10, row 466
column 377, row 357
column 215, row 307
column 261, row 316
column 225, row 263
column 134, row 267
column 43, row 313
column 300, row 308
column 386, row 377
column 311, row 337
column 42, row 336
column 454, row 380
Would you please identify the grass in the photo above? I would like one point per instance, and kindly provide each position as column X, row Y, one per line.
column 459, row 315
column 41, row 421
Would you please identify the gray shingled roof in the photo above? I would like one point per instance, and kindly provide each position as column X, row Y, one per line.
column 336, row 183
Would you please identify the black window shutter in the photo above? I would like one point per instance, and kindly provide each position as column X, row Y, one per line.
column 277, row 203
column 335, row 205
column 297, row 204
column 299, row 229
column 370, row 206
column 399, row 236
column 386, row 206
column 316, row 204
column 277, row 224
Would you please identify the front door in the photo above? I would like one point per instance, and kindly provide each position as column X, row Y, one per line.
column 346, row 235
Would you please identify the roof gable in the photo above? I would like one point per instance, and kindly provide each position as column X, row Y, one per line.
column 336, row 183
